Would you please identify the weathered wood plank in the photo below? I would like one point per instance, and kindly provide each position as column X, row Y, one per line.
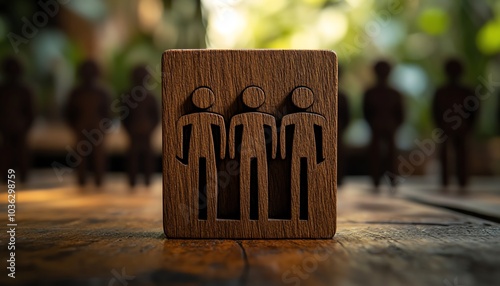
column 381, row 255
column 383, row 240
column 481, row 199
column 73, row 236
column 82, row 236
column 246, row 96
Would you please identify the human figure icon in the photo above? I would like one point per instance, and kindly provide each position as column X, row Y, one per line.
column 87, row 111
column 343, row 122
column 16, row 117
column 201, row 157
column 253, row 154
column 306, row 151
column 455, row 110
column 140, row 124
column 384, row 111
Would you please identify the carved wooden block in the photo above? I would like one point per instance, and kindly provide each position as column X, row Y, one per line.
column 249, row 143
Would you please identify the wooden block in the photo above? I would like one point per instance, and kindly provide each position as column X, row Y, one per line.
column 249, row 143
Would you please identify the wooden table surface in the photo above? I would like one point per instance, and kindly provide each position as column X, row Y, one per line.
column 113, row 236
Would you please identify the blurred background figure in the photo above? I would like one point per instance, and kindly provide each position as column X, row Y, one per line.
column 140, row 123
column 455, row 110
column 343, row 122
column 383, row 110
column 16, row 116
column 88, row 114
column 416, row 35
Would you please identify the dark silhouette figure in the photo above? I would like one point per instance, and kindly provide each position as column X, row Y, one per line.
column 201, row 152
column 343, row 122
column 498, row 113
column 253, row 152
column 455, row 109
column 306, row 152
column 384, row 111
column 140, row 124
column 16, row 117
column 87, row 111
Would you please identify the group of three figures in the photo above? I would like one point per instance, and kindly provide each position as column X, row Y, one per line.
column 253, row 143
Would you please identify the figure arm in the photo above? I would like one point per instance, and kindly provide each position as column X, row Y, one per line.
column 126, row 120
column 180, row 136
column 367, row 112
column 435, row 109
column 155, row 113
column 271, row 122
column 474, row 114
column 106, row 103
column 232, row 140
column 284, row 124
column 343, row 111
column 219, row 121
column 321, row 122
column 70, row 110
column 29, row 108
column 400, row 112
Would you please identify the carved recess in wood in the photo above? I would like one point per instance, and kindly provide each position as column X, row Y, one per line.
column 249, row 143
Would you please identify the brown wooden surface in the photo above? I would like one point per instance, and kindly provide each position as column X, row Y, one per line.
column 83, row 236
column 481, row 200
column 249, row 95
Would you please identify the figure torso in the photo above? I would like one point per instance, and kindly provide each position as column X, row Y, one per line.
column 385, row 106
column 253, row 140
column 89, row 105
column 15, row 108
column 451, row 121
column 304, row 141
column 142, row 121
column 201, row 142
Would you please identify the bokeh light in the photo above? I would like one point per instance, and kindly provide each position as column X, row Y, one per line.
column 488, row 38
column 434, row 21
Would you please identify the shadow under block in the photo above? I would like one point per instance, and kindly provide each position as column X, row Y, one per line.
column 249, row 143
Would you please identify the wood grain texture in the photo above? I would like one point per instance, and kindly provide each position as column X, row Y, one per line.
column 259, row 99
column 80, row 236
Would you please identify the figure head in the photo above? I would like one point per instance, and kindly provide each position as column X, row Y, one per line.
column 253, row 97
column 138, row 74
column 203, row 98
column 302, row 97
column 453, row 69
column 12, row 68
column 382, row 70
column 88, row 71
